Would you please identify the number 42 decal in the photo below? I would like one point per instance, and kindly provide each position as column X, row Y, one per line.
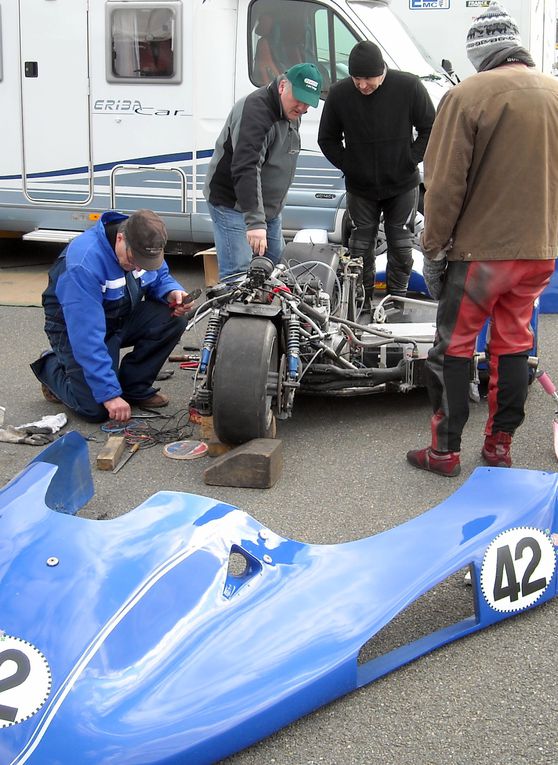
column 517, row 569
column 25, row 680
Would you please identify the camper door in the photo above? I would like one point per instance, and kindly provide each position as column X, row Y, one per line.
column 274, row 35
column 55, row 100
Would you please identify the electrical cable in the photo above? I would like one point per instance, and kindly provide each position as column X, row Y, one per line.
column 177, row 427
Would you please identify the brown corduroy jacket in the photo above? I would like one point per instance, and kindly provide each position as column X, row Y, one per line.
column 491, row 168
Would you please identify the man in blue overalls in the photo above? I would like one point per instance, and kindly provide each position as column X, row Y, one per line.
column 111, row 289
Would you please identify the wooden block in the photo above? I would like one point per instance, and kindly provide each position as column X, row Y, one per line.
column 214, row 447
column 208, row 434
column 207, row 431
column 210, row 266
column 254, row 465
column 272, row 430
column 109, row 456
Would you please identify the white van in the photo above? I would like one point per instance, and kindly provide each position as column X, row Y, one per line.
column 117, row 103
column 440, row 27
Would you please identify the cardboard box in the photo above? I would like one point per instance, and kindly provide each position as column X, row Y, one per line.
column 210, row 268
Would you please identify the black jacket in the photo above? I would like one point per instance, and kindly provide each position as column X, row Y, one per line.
column 370, row 138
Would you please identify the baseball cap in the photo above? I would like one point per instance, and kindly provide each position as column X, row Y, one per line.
column 146, row 236
column 306, row 82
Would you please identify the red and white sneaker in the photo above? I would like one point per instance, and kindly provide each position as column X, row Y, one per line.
column 496, row 451
column 442, row 463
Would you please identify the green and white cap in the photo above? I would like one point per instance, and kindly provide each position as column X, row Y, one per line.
column 306, row 82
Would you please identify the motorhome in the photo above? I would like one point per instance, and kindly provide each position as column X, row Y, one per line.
column 116, row 104
column 439, row 28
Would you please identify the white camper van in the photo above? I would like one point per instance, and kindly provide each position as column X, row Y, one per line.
column 440, row 28
column 117, row 103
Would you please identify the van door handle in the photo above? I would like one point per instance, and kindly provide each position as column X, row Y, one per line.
column 31, row 69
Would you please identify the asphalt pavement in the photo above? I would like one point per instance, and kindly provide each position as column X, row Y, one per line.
column 491, row 698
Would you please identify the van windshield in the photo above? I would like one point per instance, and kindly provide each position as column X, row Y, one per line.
column 401, row 51
column 282, row 33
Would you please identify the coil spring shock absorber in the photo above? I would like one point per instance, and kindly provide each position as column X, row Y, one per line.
column 293, row 346
column 210, row 339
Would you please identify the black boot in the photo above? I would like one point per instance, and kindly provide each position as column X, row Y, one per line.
column 362, row 244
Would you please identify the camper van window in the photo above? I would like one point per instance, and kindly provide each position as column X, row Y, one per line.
column 143, row 42
column 282, row 33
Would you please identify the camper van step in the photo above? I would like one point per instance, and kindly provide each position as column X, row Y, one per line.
column 50, row 235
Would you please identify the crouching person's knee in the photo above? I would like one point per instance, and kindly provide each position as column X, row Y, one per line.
column 91, row 411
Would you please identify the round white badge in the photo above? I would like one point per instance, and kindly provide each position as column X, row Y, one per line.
column 25, row 680
column 517, row 569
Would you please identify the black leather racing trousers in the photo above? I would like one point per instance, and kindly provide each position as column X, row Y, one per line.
column 503, row 291
column 399, row 215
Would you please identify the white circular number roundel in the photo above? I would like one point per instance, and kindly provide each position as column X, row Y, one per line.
column 517, row 568
column 25, row 680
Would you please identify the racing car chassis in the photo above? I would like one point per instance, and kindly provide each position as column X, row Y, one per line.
column 303, row 327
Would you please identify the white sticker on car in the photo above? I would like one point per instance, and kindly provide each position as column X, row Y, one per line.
column 25, row 680
column 517, row 568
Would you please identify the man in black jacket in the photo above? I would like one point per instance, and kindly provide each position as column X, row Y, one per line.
column 366, row 130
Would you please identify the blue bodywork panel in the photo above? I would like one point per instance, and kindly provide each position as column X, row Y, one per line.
column 131, row 641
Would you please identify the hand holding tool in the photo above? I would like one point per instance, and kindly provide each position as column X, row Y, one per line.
column 188, row 298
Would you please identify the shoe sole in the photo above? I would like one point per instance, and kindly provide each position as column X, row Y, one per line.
column 456, row 471
column 491, row 463
column 48, row 395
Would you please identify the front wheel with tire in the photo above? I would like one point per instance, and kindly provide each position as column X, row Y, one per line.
column 245, row 379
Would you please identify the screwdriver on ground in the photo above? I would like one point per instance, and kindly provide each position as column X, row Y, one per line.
column 128, row 457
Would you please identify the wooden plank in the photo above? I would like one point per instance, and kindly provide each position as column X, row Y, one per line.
column 110, row 453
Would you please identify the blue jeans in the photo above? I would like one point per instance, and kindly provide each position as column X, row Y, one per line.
column 152, row 332
column 233, row 251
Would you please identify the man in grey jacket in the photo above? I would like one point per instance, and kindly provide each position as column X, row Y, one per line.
column 253, row 165
column 491, row 212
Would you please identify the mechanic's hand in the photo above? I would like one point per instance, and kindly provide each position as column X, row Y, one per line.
column 257, row 239
column 118, row 409
column 176, row 300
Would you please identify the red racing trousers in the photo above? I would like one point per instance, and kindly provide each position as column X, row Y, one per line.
column 505, row 292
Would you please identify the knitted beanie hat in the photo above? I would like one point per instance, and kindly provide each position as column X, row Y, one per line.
column 365, row 60
column 493, row 31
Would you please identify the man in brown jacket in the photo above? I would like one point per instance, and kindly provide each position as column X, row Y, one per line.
column 491, row 215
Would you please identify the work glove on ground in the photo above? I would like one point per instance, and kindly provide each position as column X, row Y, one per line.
column 29, row 436
column 50, row 423
column 38, row 433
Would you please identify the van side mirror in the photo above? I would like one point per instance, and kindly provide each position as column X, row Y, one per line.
column 447, row 66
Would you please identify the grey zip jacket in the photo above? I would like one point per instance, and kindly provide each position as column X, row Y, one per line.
column 254, row 160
